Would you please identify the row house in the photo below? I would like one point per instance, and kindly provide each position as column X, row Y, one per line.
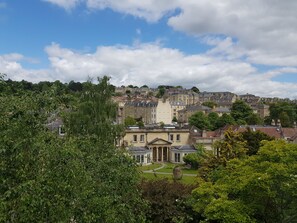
column 141, row 110
column 186, row 97
column 222, row 99
column 151, row 112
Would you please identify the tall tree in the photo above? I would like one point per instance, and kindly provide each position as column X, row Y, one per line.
column 260, row 188
column 114, row 175
column 200, row 120
column 240, row 111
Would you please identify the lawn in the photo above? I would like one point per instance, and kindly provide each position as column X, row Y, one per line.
column 185, row 179
column 169, row 168
column 149, row 167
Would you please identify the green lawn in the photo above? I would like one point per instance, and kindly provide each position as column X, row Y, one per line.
column 185, row 179
column 149, row 167
column 169, row 168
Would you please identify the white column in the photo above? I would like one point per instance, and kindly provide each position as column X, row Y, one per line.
column 162, row 154
column 157, row 150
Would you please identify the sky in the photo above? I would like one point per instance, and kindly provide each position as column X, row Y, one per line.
column 219, row 45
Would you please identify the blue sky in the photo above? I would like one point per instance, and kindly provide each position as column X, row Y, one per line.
column 238, row 46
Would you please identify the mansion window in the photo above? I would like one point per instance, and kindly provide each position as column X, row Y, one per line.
column 141, row 138
column 171, row 137
column 177, row 157
column 134, row 138
column 140, row 158
column 178, row 137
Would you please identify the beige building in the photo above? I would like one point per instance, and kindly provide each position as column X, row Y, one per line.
column 141, row 110
column 176, row 107
column 167, row 144
column 163, row 112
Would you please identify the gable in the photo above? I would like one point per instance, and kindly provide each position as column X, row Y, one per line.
column 158, row 141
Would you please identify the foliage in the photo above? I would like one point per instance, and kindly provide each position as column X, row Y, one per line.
column 129, row 121
column 254, row 140
column 254, row 119
column 240, row 111
column 213, row 119
column 209, row 104
column 174, row 119
column 260, row 188
column 161, row 92
column 230, row 147
column 200, row 120
column 167, row 201
column 224, row 120
column 285, row 112
column 81, row 177
column 192, row 159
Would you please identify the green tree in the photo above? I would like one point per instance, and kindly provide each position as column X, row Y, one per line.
column 200, row 120
column 240, row 111
column 129, row 121
column 209, row 104
column 213, row 119
column 114, row 175
column 254, row 119
column 168, row 201
column 161, row 92
column 224, row 120
column 174, row 119
column 260, row 188
column 254, row 139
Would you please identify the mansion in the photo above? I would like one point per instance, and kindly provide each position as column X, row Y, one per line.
column 158, row 144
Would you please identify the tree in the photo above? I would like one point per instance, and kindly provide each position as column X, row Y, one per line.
column 224, row 120
column 240, row 111
column 260, row 188
column 195, row 89
column 161, row 92
column 168, row 201
column 174, row 119
column 114, row 175
column 199, row 119
column 254, row 140
column 209, row 104
column 129, row 121
column 81, row 177
column 213, row 119
column 254, row 119
column 192, row 159
column 285, row 112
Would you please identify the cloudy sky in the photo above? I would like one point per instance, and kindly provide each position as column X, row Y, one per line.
column 219, row 45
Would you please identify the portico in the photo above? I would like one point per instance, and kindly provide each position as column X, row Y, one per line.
column 160, row 149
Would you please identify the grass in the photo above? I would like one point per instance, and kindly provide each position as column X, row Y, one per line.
column 185, row 179
column 169, row 168
column 149, row 167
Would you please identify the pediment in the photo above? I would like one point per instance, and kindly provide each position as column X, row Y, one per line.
column 159, row 141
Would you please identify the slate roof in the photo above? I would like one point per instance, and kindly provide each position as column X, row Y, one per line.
column 184, row 148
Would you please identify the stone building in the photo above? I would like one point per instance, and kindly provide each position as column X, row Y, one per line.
column 158, row 144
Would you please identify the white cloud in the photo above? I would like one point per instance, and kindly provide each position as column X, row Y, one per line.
column 66, row 4
column 265, row 31
column 152, row 64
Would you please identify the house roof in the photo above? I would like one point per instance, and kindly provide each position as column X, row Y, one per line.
column 158, row 141
column 289, row 132
column 138, row 149
column 184, row 148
